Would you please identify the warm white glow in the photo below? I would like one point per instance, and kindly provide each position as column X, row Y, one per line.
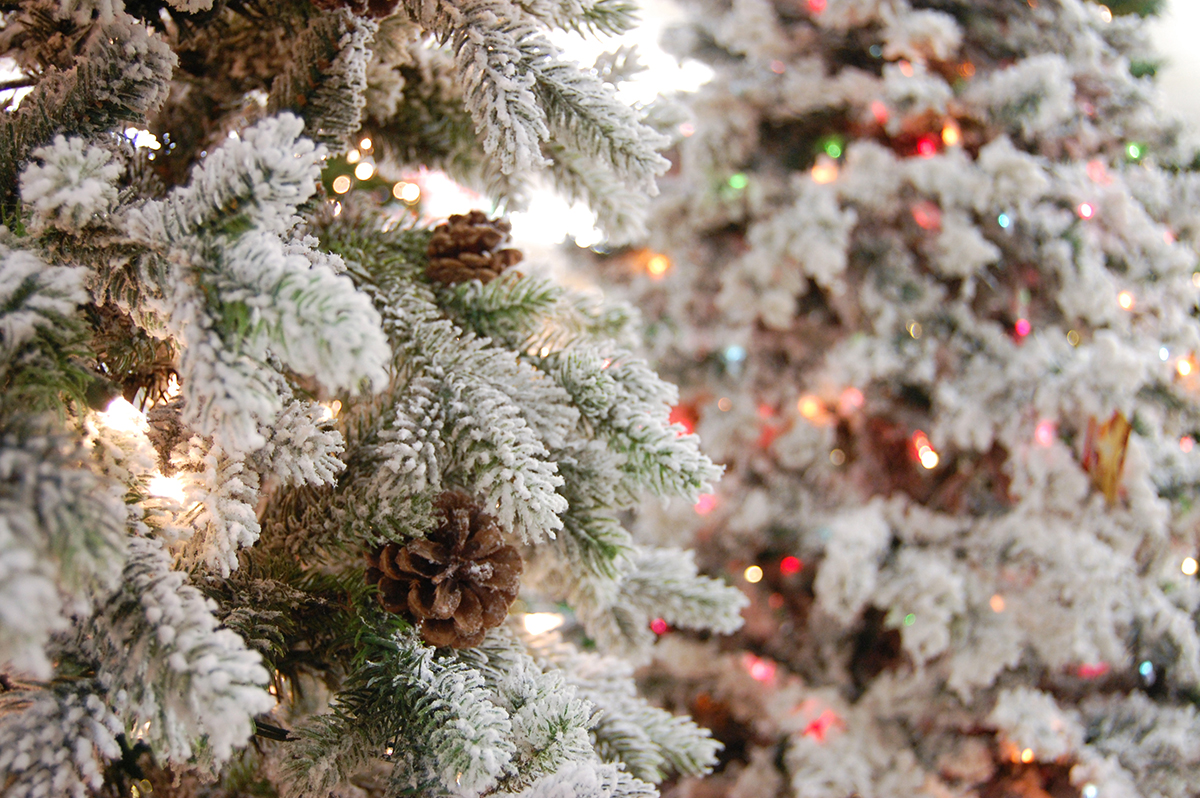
column 929, row 458
column 951, row 135
column 123, row 417
column 997, row 603
column 538, row 623
column 365, row 144
column 1184, row 367
column 330, row 410
column 354, row 156
column 810, row 407
column 753, row 574
column 1190, row 566
column 406, row 192
column 825, row 170
column 1027, row 755
column 1125, row 300
column 365, row 170
column 167, row 488
column 658, row 265
column 341, row 184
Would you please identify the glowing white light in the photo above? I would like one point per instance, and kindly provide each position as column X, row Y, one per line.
column 142, row 138
column 538, row 623
column 124, row 417
column 929, row 458
column 753, row 574
column 365, row 144
column 354, row 156
column 364, row 170
column 1190, row 566
column 167, row 488
column 341, row 184
column 330, row 410
column 406, row 192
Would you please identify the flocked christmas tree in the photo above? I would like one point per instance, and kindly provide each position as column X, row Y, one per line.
column 927, row 280
column 275, row 467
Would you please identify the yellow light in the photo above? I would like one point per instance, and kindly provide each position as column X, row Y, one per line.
column 951, row 134
column 914, row 329
column 1073, row 338
column 658, row 265
column 1190, row 566
column 354, row 156
column 929, row 458
column 124, row 417
column 167, row 488
column 724, row 405
column 1125, row 300
column 538, row 623
column 341, row 184
column 406, row 192
column 1196, row 279
column 997, row 603
column 825, row 170
column 1027, row 755
column 365, row 144
column 1184, row 367
column 810, row 407
column 330, row 410
column 1106, row 13
column 753, row 574
column 364, row 170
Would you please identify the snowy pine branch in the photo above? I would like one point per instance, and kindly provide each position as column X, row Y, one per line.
column 187, row 687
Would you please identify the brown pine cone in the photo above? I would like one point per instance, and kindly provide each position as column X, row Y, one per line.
column 458, row 582
column 466, row 248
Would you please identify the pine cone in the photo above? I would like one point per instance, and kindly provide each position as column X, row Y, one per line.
column 458, row 582
column 466, row 248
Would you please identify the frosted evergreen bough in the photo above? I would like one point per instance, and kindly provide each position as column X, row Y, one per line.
column 225, row 386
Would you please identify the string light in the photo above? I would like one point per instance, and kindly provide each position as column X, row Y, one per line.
column 1164, row 354
column 996, row 602
column 790, row 565
column 1105, row 13
column 658, row 265
column 914, row 328
column 406, row 192
column 1097, row 172
column 811, row 408
column 1134, row 151
column 910, row 619
column 724, row 404
column 121, row 416
column 760, row 670
column 778, row 67
column 659, row 626
column 817, row 6
column 1086, row 210
column 738, row 181
column 927, row 215
column 365, row 144
column 966, row 69
column 364, row 170
column 687, row 129
column 837, row 457
column 1186, row 443
column 341, row 184
column 924, row 450
column 819, row 728
column 1027, row 755
column 906, row 69
column 1004, row 220
column 539, row 623
column 1022, row 328
column 1125, row 300
column 166, row 487
column 1090, row 791
column 825, row 170
column 879, row 110
column 1196, row 279
column 1093, row 670
column 353, row 157
column 705, row 504
column 753, row 574
column 1190, row 566
column 1044, row 432
column 1072, row 338
column 734, row 354
column 330, row 410
column 951, row 133
column 1184, row 367
column 833, row 147
column 926, row 145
